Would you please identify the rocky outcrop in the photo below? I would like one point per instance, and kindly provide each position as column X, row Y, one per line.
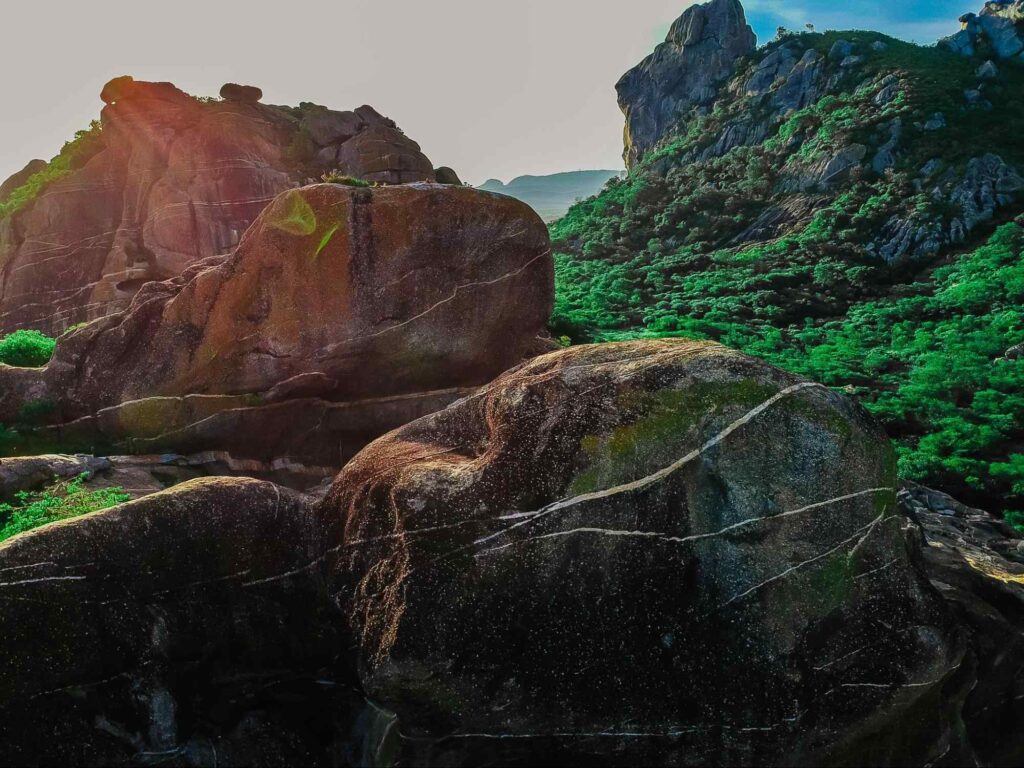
column 683, row 72
column 987, row 185
column 168, row 181
column 999, row 26
column 706, row 566
column 344, row 312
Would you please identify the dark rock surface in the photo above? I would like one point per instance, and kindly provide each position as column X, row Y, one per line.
column 651, row 553
column 186, row 628
column 700, row 51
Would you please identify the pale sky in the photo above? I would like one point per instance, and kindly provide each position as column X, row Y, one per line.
column 493, row 88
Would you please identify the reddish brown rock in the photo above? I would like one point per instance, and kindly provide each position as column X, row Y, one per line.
column 171, row 180
column 344, row 312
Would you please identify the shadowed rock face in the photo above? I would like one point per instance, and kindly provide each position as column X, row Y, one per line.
column 344, row 312
column 656, row 553
column 683, row 72
column 171, row 180
column 662, row 551
column 187, row 626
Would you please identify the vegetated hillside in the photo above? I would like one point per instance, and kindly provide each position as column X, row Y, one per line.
column 551, row 196
column 844, row 207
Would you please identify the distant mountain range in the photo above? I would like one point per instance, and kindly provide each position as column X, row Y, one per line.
column 551, row 196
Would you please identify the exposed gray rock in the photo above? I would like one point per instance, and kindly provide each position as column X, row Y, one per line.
column 932, row 167
column 1002, row 34
column 988, row 184
column 962, row 42
column 1015, row 352
column 683, row 73
column 777, row 64
column 851, row 61
column 936, row 123
column 840, row 50
column 988, row 70
column 878, row 45
column 885, row 158
column 889, row 89
column 803, row 84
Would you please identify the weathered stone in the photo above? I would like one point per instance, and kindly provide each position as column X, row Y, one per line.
column 248, row 94
column 345, row 312
column 652, row 551
column 988, row 70
column 935, row 123
column 327, row 127
column 32, row 472
column 684, row 72
column 168, row 182
column 803, row 83
column 446, row 175
column 840, row 50
column 385, row 154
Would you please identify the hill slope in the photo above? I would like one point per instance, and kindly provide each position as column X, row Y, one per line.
column 842, row 205
column 551, row 196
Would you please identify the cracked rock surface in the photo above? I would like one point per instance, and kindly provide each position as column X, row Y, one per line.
column 344, row 312
column 651, row 553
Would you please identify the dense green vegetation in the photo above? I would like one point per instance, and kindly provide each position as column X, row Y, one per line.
column 60, row 501
column 73, row 155
column 26, row 349
column 671, row 251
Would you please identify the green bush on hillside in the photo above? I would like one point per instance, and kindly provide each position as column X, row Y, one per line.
column 75, row 152
column 26, row 349
column 61, row 501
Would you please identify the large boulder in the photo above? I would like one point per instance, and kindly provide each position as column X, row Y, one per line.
column 683, row 72
column 168, row 181
column 188, row 628
column 652, row 553
column 344, row 312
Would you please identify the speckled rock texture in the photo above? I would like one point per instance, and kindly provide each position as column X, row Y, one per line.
column 699, row 52
column 657, row 553
column 168, row 181
column 182, row 629
column 344, row 313
column 653, row 553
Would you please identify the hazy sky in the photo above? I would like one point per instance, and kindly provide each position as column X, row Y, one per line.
column 492, row 88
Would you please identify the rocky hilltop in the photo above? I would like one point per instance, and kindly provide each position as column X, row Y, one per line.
column 162, row 181
column 843, row 204
column 682, row 76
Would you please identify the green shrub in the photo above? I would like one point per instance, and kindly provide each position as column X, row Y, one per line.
column 60, row 501
column 334, row 177
column 72, row 155
column 26, row 349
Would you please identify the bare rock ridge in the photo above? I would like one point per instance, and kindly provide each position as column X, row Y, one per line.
column 684, row 72
column 657, row 553
column 998, row 27
column 343, row 313
column 166, row 180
